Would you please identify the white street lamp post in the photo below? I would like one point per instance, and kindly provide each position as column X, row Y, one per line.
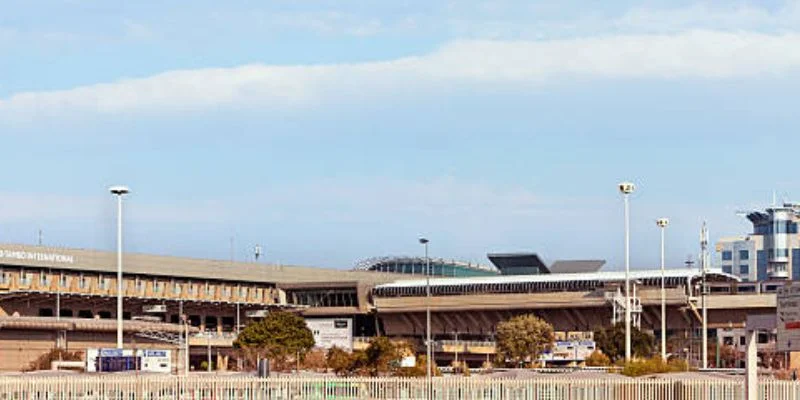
column 119, row 191
column 703, row 292
column 626, row 188
column 662, row 223
column 428, row 361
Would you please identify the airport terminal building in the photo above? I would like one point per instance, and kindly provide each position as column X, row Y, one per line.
column 66, row 298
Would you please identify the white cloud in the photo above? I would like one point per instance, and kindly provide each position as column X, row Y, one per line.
column 722, row 17
column 694, row 54
column 35, row 207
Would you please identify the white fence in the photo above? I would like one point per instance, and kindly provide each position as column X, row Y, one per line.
column 230, row 388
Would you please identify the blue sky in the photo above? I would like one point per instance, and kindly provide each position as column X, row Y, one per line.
column 333, row 131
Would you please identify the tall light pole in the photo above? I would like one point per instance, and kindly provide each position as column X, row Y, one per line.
column 119, row 191
column 703, row 290
column 626, row 188
column 428, row 361
column 662, row 223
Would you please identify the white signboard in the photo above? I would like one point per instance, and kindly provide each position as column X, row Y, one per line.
column 150, row 360
column 408, row 362
column 571, row 350
column 330, row 332
column 36, row 256
column 789, row 318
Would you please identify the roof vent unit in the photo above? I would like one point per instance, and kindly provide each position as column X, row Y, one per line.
column 155, row 308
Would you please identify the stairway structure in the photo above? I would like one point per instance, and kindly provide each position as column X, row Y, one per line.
column 617, row 300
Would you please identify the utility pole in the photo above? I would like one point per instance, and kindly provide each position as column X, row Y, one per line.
column 662, row 223
column 119, row 191
column 626, row 188
column 703, row 290
column 58, row 296
column 208, row 343
column 429, row 360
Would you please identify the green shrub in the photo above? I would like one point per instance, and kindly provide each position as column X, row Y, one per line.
column 678, row 364
column 653, row 365
column 598, row 359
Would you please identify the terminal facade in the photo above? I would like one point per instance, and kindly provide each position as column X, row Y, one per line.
column 66, row 298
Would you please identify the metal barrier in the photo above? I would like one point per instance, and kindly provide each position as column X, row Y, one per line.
column 235, row 388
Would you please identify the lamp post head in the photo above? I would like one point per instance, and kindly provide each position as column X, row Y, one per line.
column 119, row 190
column 626, row 187
column 662, row 222
column 422, row 240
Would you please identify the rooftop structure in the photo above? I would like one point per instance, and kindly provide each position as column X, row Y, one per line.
column 544, row 282
column 576, row 266
column 418, row 265
column 519, row 263
column 532, row 264
column 502, row 264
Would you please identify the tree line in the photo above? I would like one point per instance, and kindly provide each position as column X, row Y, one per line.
column 285, row 339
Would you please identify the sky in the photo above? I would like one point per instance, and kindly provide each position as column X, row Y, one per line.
column 334, row 131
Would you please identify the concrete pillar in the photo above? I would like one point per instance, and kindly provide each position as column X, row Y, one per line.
column 751, row 367
column 794, row 360
column 178, row 360
column 222, row 362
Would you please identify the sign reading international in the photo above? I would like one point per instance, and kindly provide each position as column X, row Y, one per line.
column 36, row 256
column 789, row 318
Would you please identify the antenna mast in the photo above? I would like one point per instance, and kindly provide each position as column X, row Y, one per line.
column 257, row 252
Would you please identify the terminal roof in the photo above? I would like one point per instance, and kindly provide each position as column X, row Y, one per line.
column 609, row 276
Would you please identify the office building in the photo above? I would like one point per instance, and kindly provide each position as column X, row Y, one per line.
column 771, row 251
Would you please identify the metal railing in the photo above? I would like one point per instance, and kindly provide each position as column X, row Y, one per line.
column 481, row 343
column 230, row 388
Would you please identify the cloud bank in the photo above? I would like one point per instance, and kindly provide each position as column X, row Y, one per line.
column 692, row 55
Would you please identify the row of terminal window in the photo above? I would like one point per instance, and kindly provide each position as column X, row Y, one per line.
column 69, row 313
column 105, row 283
column 211, row 321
